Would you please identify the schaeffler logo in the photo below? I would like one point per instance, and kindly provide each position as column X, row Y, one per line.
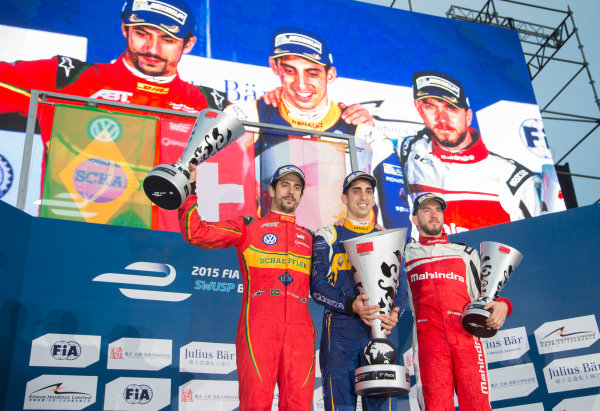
column 104, row 129
column 137, row 394
column 168, row 277
column 65, row 350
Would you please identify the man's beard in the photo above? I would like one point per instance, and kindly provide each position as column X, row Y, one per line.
column 288, row 209
column 451, row 144
column 432, row 232
column 136, row 63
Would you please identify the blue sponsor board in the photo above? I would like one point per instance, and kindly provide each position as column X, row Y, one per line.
column 56, row 280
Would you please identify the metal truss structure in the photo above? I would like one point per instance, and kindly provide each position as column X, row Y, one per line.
column 548, row 40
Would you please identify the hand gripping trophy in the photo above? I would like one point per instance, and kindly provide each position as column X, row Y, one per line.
column 168, row 186
column 498, row 262
column 375, row 259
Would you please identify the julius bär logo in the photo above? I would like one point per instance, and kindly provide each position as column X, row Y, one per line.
column 65, row 350
column 138, row 394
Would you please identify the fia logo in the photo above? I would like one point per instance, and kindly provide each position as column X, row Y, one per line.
column 138, row 394
column 65, row 350
column 269, row 239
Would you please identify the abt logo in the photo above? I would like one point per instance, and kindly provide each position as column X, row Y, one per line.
column 168, row 277
column 137, row 394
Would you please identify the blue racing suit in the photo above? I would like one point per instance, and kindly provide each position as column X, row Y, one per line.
column 344, row 334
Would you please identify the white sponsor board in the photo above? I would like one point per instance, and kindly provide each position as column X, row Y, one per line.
column 130, row 393
column 507, row 344
column 589, row 402
column 409, row 361
column 538, row 406
column 573, row 373
column 207, row 358
column 208, row 395
column 512, row 382
column 567, row 334
column 60, row 392
column 65, row 350
column 139, row 354
column 318, row 401
column 414, row 402
column 213, row 395
column 37, row 44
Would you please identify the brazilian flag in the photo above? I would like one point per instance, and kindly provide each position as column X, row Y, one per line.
column 97, row 161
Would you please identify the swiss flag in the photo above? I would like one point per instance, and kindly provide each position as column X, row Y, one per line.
column 364, row 247
column 230, row 170
column 504, row 250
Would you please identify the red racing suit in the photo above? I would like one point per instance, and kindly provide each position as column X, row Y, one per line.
column 481, row 188
column 106, row 81
column 275, row 339
column 443, row 278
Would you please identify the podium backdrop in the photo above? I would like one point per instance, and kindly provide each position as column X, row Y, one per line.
column 105, row 317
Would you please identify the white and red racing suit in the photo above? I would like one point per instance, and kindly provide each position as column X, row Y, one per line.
column 481, row 188
column 275, row 339
column 443, row 278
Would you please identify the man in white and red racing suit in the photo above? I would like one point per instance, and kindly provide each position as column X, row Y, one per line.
column 449, row 158
column 275, row 341
column 481, row 188
column 443, row 278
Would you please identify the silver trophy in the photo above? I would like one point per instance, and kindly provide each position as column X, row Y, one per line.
column 498, row 262
column 375, row 259
column 168, row 186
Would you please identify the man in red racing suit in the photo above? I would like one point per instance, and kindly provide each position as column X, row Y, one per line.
column 275, row 339
column 157, row 34
column 443, row 278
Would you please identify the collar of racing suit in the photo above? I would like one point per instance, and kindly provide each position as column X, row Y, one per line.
column 281, row 216
column 434, row 240
column 472, row 154
column 154, row 79
column 358, row 226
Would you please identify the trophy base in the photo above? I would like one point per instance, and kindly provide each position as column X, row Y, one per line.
column 474, row 319
column 167, row 187
column 381, row 380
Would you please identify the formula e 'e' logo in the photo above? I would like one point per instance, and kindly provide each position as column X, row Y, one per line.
column 166, row 277
column 269, row 239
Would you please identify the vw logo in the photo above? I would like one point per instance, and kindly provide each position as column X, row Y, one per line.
column 104, row 129
column 269, row 239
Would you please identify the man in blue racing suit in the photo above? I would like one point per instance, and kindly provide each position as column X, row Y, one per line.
column 346, row 319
